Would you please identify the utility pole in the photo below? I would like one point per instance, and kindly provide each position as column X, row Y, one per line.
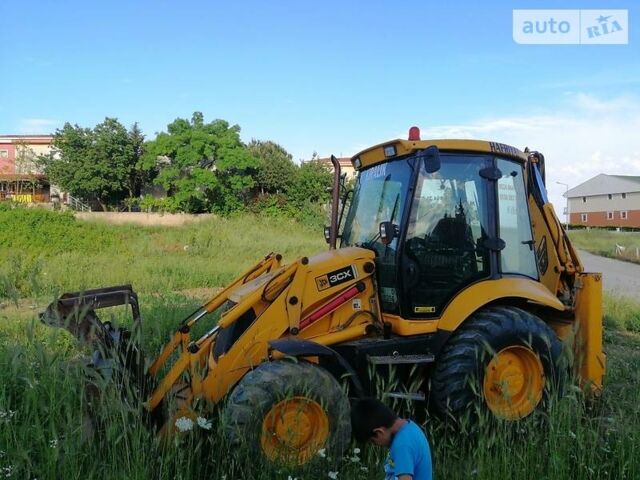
column 566, row 213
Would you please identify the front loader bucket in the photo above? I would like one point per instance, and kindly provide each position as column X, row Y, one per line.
column 76, row 311
column 117, row 357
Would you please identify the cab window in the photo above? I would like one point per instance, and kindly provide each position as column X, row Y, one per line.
column 448, row 221
column 518, row 256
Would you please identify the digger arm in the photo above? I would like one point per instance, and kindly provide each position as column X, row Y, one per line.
column 182, row 336
column 558, row 261
column 563, row 274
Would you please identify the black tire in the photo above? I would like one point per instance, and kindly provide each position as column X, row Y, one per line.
column 458, row 379
column 272, row 382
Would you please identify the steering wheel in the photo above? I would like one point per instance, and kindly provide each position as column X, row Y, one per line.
column 415, row 249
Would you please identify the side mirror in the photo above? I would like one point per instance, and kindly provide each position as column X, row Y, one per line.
column 327, row 233
column 431, row 158
column 388, row 231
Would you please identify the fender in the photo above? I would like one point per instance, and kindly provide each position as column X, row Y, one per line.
column 483, row 293
column 307, row 348
column 475, row 297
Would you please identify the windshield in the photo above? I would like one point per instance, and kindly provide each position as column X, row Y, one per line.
column 379, row 196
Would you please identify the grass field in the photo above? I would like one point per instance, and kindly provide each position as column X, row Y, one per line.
column 41, row 400
column 604, row 242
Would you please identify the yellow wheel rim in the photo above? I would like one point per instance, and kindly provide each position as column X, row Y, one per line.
column 294, row 430
column 514, row 382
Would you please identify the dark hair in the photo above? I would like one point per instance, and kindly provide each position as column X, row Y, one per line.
column 368, row 414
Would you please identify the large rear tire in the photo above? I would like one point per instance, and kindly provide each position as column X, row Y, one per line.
column 287, row 411
column 503, row 360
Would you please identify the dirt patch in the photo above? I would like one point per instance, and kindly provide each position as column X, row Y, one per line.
column 203, row 293
column 145, row 219
column 24, row 305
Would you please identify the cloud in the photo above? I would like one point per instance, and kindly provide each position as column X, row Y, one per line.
column 583, row 136
column 597, row 80
column 37, row 125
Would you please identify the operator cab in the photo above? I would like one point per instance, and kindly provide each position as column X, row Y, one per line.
column 440, row 215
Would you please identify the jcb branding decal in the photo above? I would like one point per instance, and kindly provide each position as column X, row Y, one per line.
column 542, row 256
column 336, row 277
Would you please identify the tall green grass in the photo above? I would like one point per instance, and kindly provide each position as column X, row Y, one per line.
column 42, row 401
column 41, row 432
column 621, row 313
column 603, row 243
column 44, row 253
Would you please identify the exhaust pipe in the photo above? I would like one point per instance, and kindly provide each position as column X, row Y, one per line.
column 333, row 233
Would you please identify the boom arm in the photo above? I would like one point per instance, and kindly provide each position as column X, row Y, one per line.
column 194, row 353
column 558, row 261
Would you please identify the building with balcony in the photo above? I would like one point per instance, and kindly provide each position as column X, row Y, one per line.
column 21, row 179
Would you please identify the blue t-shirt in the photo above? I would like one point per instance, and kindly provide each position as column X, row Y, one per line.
column 409, row 454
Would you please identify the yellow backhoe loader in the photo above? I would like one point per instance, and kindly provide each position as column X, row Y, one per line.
column 450, row 266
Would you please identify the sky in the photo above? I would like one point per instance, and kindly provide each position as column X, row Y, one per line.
column 327, row 77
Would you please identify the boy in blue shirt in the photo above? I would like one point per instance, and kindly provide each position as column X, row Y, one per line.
column 409, row 455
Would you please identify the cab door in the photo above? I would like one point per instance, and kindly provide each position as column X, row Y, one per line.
column 445, row 247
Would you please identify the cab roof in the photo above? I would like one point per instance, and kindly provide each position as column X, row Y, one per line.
column 396, row 148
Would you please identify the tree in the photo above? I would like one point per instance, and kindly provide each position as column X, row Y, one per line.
column 203, row 166
column 26, row 166
column 96, row 165
column 142, row 174
column 276, row 170
column 312, row 183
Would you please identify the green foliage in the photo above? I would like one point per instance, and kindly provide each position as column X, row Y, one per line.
column 286, row 189
column 72, row 254
column 603, row 242
column 141, row 175
column 149, row 203
column 621, row 313
column 204, row 166
column 99, row 165
column 20, row 276
column 36, row 231
column 7, row 206
column 312, row 184
column 42, row 395
column 43, row 401
column 276, row 170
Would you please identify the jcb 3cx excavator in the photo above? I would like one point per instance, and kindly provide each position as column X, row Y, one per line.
column 450, row 267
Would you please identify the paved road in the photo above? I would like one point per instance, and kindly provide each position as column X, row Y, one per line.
column 619, row 277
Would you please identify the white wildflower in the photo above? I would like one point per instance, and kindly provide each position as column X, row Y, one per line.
column 572, row 435
column 292, row 478
column 204, row 423
column 333, row 475
column 184, row 424
column 364, row 469
column 356, row 450
column 8, row 415
column 6, row 471
column 322, row 452
column 53, row 443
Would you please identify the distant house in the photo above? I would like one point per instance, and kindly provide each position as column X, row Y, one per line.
column 21, row 180
column 345, row 166
column 606, row 201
